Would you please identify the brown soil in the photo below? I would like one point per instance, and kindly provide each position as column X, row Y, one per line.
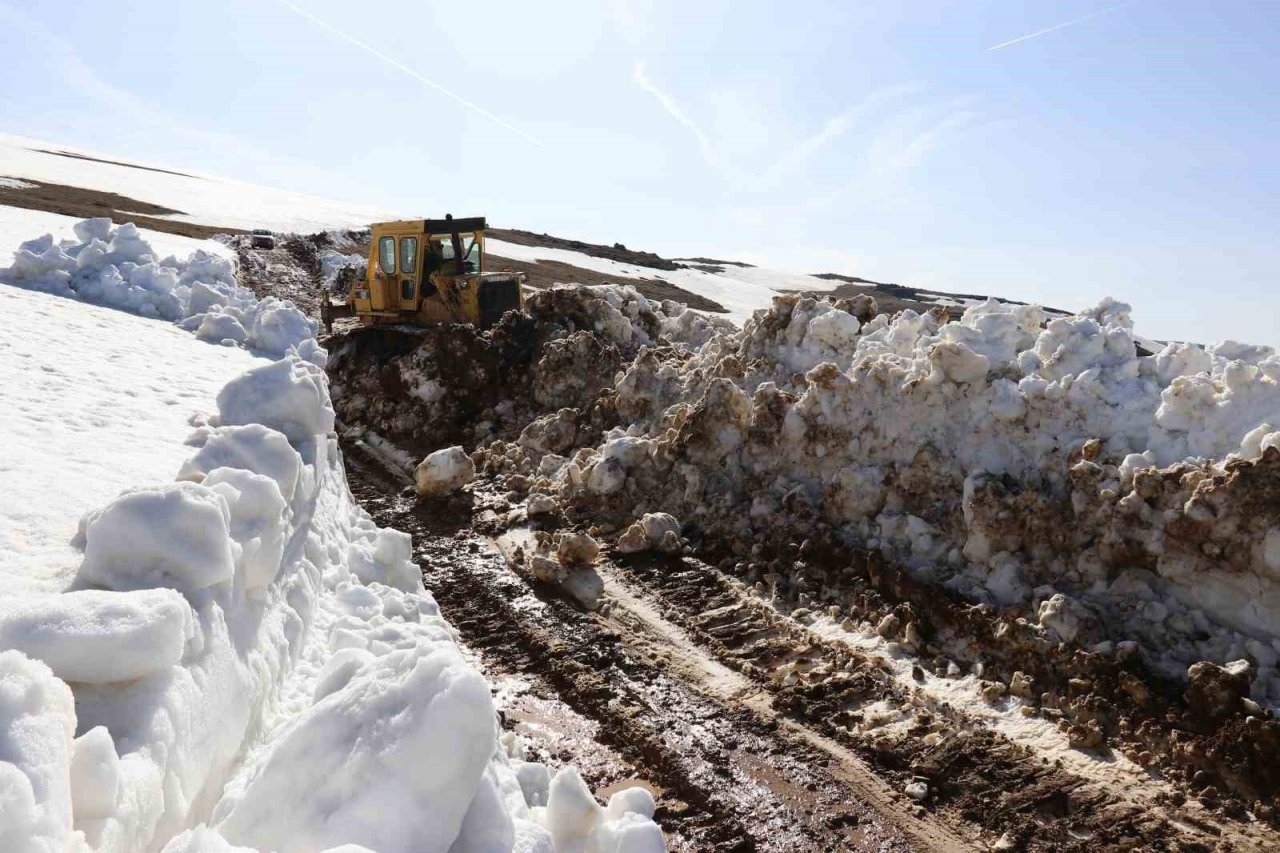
column 896, row 297
column 289, row 271
column 85, row 203
column 616, row 252
column 544, row 274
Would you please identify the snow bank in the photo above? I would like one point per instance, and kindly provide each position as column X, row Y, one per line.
column 254, row 665
column 115, row 266
column 1019, row 460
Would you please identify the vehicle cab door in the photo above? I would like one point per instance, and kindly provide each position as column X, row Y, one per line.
column 409, row 271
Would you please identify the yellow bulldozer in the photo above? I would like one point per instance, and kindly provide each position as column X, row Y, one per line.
column 427, row 271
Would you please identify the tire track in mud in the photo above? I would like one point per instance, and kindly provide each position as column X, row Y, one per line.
column 730, row 779
column 753, row 726
column 976, row 777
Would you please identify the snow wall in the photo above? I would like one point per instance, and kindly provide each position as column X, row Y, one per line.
column 1114, row 499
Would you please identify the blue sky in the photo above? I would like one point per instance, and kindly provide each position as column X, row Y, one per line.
column 1131, row 153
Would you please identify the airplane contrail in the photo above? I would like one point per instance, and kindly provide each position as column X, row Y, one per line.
column 400, row 66
column 1054, row 28
column 673, row 109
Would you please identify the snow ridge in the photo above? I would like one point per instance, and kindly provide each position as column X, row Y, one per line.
column 115, row 266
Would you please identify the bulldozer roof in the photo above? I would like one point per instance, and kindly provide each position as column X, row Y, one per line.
column 434, row 226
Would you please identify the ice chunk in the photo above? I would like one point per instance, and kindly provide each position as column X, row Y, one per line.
column 97, row 636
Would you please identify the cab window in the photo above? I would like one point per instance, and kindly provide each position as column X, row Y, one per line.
column 387, row 254
column 408, row 254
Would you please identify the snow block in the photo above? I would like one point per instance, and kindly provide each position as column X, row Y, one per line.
column 290, row 395
column 95, row 775
column 37, row 724
column 252, row 448
column 277, row 326
column 176, row 535
column 410, row 734
column 259, row 521
column 97, row 636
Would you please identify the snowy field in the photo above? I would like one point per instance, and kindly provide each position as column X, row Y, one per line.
column 94, row 401
column 741, row 290
column 203, row 199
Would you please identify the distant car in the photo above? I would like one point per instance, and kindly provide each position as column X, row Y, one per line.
column 262, row 239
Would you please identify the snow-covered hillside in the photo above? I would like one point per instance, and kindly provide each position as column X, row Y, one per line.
column 202, row 199
column 217, row 203
column 241, row 655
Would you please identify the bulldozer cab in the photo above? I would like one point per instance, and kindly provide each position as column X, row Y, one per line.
column 425, row 271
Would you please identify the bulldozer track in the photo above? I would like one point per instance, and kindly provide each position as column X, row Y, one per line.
column 730, row 778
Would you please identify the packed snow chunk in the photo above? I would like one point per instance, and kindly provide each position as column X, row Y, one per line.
column 96, row 636
column 37, row 724
column 216, row 328
column 630, row 833
column 95, row 775
column 253, row 447
column 535, row 781
column 654, row 531
column 958, row 363
column 635, row 800
column 204, row 297
column 444, row 471
column 409, row 734
column 204, row 840
column 175, row 535
column 276, row 326
column 290, row 395
column 578, row 823
column 606, row 476
column 385, row 558
column 836, row 330
column 572, row 813
column 259, row 521
column 576, row 549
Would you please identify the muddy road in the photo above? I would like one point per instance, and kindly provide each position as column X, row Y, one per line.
column 755, row 731
column 727, row 776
